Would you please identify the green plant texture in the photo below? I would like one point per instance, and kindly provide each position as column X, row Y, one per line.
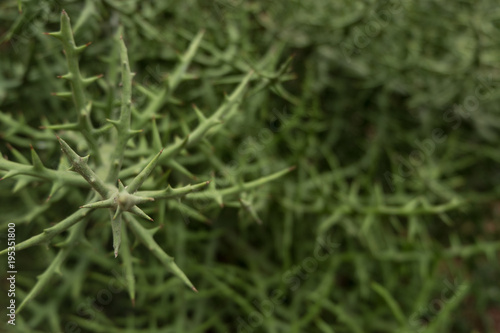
column 320, row 166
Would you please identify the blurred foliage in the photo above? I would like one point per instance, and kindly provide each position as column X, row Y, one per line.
column 389, row 223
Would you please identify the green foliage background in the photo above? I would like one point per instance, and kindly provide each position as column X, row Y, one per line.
column 389, row 113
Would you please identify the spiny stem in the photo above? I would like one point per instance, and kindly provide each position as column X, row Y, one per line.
column 127, row 262
column 172, row 82
column 78, row 82
column 242, row 187
column 230, row 102
column 122, row 125
column 51, row 232
column 69, row 178
column 80, row 165
column 143, row 175
column 76, row 233
column 147, row 239
column 170, row 193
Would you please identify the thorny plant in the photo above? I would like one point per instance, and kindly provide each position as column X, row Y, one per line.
column 113, row 187
column 406, row 229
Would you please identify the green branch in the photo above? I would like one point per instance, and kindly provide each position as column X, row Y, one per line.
column 78, row 83
column 122, row 125
column 49, row 233
column 145, row 236
column 14, row 169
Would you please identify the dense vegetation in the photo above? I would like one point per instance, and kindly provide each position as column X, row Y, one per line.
column 316, row 166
